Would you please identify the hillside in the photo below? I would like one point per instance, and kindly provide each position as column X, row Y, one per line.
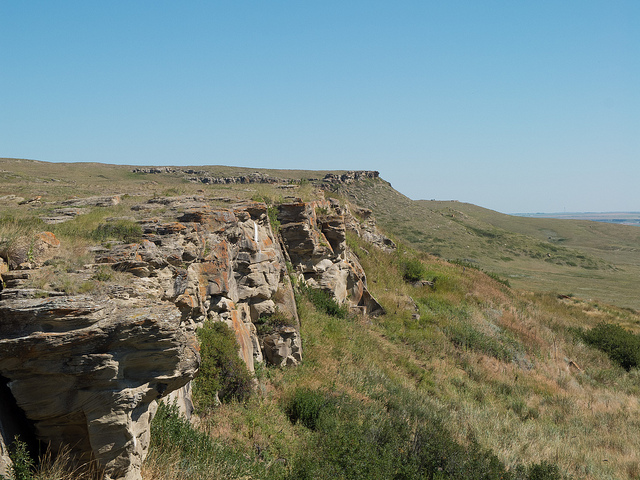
column 593, row 260
column 412, row 367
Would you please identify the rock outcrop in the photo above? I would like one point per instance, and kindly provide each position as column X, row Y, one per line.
column 362, row 223
column 88, row 370
column 315, row 237
column 28, row 252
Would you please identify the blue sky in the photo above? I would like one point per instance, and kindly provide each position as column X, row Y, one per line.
column 517, row 106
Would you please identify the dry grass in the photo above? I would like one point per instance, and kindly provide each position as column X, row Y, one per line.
column 553, row 399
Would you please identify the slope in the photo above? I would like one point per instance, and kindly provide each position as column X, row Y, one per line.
column 589, row 259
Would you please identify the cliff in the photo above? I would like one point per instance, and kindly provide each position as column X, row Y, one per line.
column 86, row 370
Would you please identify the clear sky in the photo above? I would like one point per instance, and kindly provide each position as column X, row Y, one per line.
column 514, row 105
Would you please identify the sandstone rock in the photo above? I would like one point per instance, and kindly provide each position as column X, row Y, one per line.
column 88, row 370
column 283, row 347
column 334, row 230
column 87, row 373
column 61, row 215
column 366, row 228
column 350, row 177
column 30, row 252
column 182, row 399
column 11, row 198
column 317, row 248
column 105, row 201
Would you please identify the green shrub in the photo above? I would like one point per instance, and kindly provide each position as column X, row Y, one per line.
column 125, row 230
column 222, row 371
column 413, row 270
column 272, row 213
column 194, row 455
column 352, row 440
column 170, row 430
column 23, row 466
column 325, row 302
column 306, row 407
column 543, row 471
column 622, row 346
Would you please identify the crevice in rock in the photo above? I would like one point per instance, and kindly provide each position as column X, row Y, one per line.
column 13, row 421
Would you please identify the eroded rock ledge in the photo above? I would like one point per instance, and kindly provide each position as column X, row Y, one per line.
column 88, row 370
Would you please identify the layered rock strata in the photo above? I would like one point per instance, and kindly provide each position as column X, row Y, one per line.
column 315, row 237
column 88, row 370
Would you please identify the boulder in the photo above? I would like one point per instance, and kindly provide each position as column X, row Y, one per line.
column 283, row 347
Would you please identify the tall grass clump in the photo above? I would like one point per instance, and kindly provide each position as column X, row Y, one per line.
column 17, row 233
column 172, row 431
column 465, row 336
column 127, row 231
column 178, row 450
column 413, row 270
column 223, row 375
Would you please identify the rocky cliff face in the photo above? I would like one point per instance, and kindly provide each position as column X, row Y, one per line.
column 87, row 370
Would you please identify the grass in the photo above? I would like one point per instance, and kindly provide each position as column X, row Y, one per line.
column 530, row 253
column 480, row 386
column 461, row 375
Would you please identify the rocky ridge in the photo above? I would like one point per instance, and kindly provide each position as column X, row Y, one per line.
column 203, row 176
column 87, row 370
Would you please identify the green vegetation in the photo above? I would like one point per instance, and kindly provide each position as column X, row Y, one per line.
column 461, row 378
column 592, row 259
column 621, row 345
column 178, row 450
column 413, row 270
column 356, row 441
column 325, row 302
column 272, row 213
column 223, row 374
column 23, row 466
column 269, row 323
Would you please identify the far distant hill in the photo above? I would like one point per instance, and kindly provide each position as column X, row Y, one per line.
column 623, row 218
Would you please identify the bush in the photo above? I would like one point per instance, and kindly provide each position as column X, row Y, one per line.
column 413, row 270
column 266, row 324
column 23, row 465
column 171, row 431
column 622, row 346
column 306, row 407
column 178, row 450
column 352, row 440
column 222, row 371
column 272, row 213
column 325, row 302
